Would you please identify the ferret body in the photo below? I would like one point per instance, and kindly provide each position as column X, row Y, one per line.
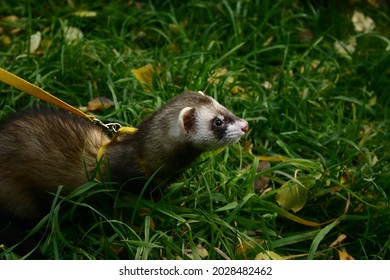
column 43, row 149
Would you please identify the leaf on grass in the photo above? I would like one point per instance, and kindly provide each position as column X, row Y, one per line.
column 199, row 250
column 238, row 89
column 268, row 41
column 266, row 85
column 6, row 40
column 345, row 49
column 35, row 40
column 343, row 255
column 144, row 75
column 362, row 23
column 280, row 211
column 11, row 18
column 203, row 253
column 85, row 14
column 275, row 158
column 99, row 103
column 73, row 34
column 262, row 182
column 293, row 194
column 367, row 132
column 268, row 255
column 305, row 35
column 243, row 247
column 220, row 74
column 222, row 253
column 11, row 25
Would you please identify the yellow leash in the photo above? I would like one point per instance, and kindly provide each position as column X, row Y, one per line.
column 37, row 92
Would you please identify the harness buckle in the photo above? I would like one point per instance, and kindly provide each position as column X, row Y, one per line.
column 111, row 127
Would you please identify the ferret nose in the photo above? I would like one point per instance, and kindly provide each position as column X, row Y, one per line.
column 245, row 126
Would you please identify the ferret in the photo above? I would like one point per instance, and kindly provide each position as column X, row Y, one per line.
column 45, row 148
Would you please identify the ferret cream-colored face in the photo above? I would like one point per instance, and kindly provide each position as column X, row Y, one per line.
column 218, row 128
column 208, row 125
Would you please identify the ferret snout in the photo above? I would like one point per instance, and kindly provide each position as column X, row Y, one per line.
column 244, row 126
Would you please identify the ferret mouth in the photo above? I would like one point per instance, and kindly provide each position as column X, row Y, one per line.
column 233, row 137
column 236, row 131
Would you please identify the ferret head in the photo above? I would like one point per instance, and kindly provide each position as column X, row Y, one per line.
column 207, row 124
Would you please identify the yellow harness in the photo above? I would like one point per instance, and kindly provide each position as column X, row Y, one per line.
column 37, row 92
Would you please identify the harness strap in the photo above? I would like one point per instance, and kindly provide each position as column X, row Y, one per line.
column 123, row 130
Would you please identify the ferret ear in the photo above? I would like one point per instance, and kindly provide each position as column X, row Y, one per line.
column 186, row 119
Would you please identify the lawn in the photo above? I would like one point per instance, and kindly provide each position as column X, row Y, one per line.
column 311, row 179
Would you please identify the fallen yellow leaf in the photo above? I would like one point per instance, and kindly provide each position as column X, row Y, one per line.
column 293, row 194
column 343, row 255
column 218, row 75
column 6, row 40
column 144, row 75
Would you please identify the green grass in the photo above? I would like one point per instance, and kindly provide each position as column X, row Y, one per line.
column 326, row 114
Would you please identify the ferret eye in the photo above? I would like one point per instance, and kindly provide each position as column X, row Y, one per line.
column 218, row 122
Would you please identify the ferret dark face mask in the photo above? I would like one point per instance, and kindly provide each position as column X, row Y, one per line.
column 216, row 127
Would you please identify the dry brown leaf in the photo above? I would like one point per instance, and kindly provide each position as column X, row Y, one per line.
column 268, row 41
column 144, row 75
column 99, row 103
column 13, row 25
column 262, row 182
column 275, row 158
column 219, row 251
column 116, row 249
column 152, row 224
column 338, row 241
column 305, row 35
column 243, row 247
